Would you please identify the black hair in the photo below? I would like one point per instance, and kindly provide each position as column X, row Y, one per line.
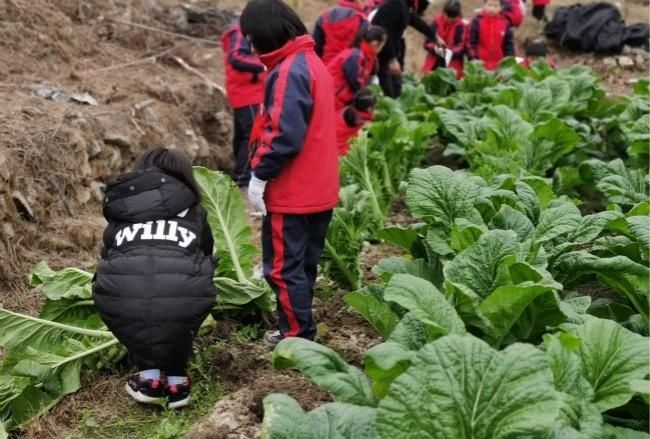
column 370, row 34
column 419, row 5
column 363, row 100
column 170, row 161
column 536, row 49
column 270, row 24
column 452, row 9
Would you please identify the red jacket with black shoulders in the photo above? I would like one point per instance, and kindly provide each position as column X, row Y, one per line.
column 244, row 71
column 337, row 28
column 293, row 143
column 352, row 70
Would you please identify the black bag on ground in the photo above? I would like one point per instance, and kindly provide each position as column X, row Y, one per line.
column 597, row 27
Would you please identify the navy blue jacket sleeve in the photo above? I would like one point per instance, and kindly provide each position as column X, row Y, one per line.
column 509, row 42
column 473, row 38
column 241, row 56
column 319, row 36
column 351, row 70
column 458, row 48
column 286, row 119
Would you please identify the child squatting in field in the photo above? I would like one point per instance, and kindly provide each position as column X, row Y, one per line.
column 153, row 285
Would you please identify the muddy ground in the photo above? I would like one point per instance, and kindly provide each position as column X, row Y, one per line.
column 151, row 88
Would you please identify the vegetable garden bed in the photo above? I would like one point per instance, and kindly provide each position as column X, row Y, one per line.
column 484, row 333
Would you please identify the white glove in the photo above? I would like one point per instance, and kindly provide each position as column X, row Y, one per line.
column 256, row 189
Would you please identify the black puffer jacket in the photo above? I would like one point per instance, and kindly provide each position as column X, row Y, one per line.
column 154, row 285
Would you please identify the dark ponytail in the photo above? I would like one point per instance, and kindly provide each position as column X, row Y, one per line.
column 370, row 34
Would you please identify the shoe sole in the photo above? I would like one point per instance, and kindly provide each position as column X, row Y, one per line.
column 142, row 398
column 179, row 404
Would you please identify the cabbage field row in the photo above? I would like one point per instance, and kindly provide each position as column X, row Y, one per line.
column 486, row 333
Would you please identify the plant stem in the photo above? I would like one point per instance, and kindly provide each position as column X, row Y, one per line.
column 83, row 354
column 378, row 214
column 68, row 328
column 349, row 277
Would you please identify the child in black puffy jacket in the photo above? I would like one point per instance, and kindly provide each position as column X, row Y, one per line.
column 153, row 285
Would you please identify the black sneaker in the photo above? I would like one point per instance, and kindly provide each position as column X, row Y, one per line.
column 272, row 338
column 178, row 395
column 146, row 391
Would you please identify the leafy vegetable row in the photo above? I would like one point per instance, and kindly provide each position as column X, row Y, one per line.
column 485, row 336
column 524, row 122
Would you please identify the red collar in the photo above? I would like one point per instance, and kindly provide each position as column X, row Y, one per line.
column 367, row 50
column 299, row 44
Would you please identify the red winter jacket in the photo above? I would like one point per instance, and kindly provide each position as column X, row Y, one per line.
column 337, row 28
column 351, row 70
column 293, row 143
column 541, row 2
column 513, row 11
column 490, row 40
column 453, row 34
column 245, row 73
column 346, row 130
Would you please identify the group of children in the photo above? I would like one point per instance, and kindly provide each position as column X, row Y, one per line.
column 488, row 37
column 297, row 102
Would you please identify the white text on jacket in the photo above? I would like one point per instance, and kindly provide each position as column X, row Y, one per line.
column 163, row 230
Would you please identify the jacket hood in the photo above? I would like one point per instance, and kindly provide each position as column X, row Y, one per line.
column 302, row 43
column 147, row 195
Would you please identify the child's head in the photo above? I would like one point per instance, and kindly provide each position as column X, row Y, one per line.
column 492, row 7
column 535, row 50
column 170, row 161
column 270, row 24
column 375, row 36
column 452, row 10
column 364, row 100
column 419, row 6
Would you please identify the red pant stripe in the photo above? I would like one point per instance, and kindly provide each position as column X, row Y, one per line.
column 277, row 225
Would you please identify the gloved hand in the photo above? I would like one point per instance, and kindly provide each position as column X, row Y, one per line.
column 256, row 189
column 539, row 12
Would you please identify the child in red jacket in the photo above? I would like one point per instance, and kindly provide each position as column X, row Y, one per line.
column 490, row 36
column 449, row 28
column 353, row 68
column 352, row 118
column 336, row 28
column 295, row 181
column 245, row 76
column 513, row 11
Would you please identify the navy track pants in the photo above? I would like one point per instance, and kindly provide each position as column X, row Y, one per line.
column 243, row 124
column 292, row 246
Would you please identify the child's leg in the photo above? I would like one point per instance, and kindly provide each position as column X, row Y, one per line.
column 284, row 242
column 150, row 374
column 178, row 387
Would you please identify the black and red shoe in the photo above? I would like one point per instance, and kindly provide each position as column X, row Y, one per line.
column 146, row 391
column 178, row 395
